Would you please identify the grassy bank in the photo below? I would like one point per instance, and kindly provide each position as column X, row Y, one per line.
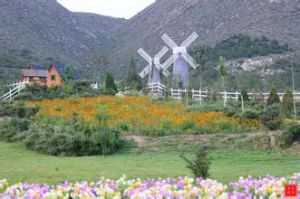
column 18, row 164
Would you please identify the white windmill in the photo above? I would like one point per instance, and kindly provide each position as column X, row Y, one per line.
column 154, row 66
column 181, row 59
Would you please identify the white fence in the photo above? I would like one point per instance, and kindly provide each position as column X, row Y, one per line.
column 199, row 95
column 156, row 89
column 14, row 92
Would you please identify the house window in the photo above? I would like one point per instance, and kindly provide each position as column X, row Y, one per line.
column 42, row 78
column 30, row 78
column 52, row 77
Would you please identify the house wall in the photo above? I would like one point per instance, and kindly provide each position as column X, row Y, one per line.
column 32, row 80
column 53, row 72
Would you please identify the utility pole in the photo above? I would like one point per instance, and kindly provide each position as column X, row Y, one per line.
column 293, row 81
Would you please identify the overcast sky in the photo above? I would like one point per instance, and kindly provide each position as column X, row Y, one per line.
column 114, row 8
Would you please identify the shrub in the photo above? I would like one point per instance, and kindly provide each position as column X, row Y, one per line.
column 245, row 96
column 199, row 166
column 72, row 140
column 110, row 85
column 6, row 109
column 13, row 129
column 22, row 111
column 287, row 104
column 123, row 126
column 70, row 88
column 270, row 117
column 226, row 126
column 291, row 134
column 188, row 124
column 251, row 114
column 273, row 98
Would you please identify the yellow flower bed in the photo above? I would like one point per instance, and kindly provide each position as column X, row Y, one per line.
column 135, row 111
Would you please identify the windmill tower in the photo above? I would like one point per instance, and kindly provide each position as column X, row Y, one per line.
column 181, row 59
column 154, row 66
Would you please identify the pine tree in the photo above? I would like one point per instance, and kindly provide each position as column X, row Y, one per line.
column 287, row 104
column 133, row 80
column 244, row 94
column 110, row 85
column 223, row 73
column 132, row 75
column 67, row 74
column 273, row 98
column 200, row 55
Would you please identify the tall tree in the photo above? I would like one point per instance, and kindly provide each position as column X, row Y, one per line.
column 68, row 74
column 110, row 85
column 273, row 98
column 199, row 54
column 223, row 74
column 133, row 80
column 287, row 105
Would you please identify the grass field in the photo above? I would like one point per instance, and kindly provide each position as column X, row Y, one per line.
column 18, row 164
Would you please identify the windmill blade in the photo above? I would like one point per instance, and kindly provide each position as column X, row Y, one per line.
column 145, row 72
column 189, row 60
column 145, row 55
column 166, row 73
column 162, row 52
column 190, row 40
column 169, row 62
column 169, row 41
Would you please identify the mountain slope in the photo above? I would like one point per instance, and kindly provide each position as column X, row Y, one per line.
column 46, row 27
column 44, row 31
column 213, row 20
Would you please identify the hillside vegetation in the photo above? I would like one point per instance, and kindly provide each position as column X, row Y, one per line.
column 141, row 115
column 240, row 48
column 52, row 33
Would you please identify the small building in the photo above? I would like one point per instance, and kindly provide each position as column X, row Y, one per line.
column 50, row 76
column 54, row 76
column 35, row 74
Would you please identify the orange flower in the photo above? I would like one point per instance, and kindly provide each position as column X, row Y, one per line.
column 136, row 111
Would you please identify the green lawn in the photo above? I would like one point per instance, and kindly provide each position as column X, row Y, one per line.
column 19, row 164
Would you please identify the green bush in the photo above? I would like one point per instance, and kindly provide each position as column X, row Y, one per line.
column 270, row 117
column 19, row 110
column 251, row 114
column 273, row 98
column 67, row 89
column 6, row 109
column 244, row 94
column 199, row 166
column 186, row 125
column 290, row 135
column 226, row 126
column 110, row 85
column 72, row 140
column 287, row 104
column 14, row 129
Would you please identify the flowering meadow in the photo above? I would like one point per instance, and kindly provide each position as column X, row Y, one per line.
column 169, row 188
column 141, row 113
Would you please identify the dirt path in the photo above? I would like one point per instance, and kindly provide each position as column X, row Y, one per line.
column 157, row 142
column 140, row 140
